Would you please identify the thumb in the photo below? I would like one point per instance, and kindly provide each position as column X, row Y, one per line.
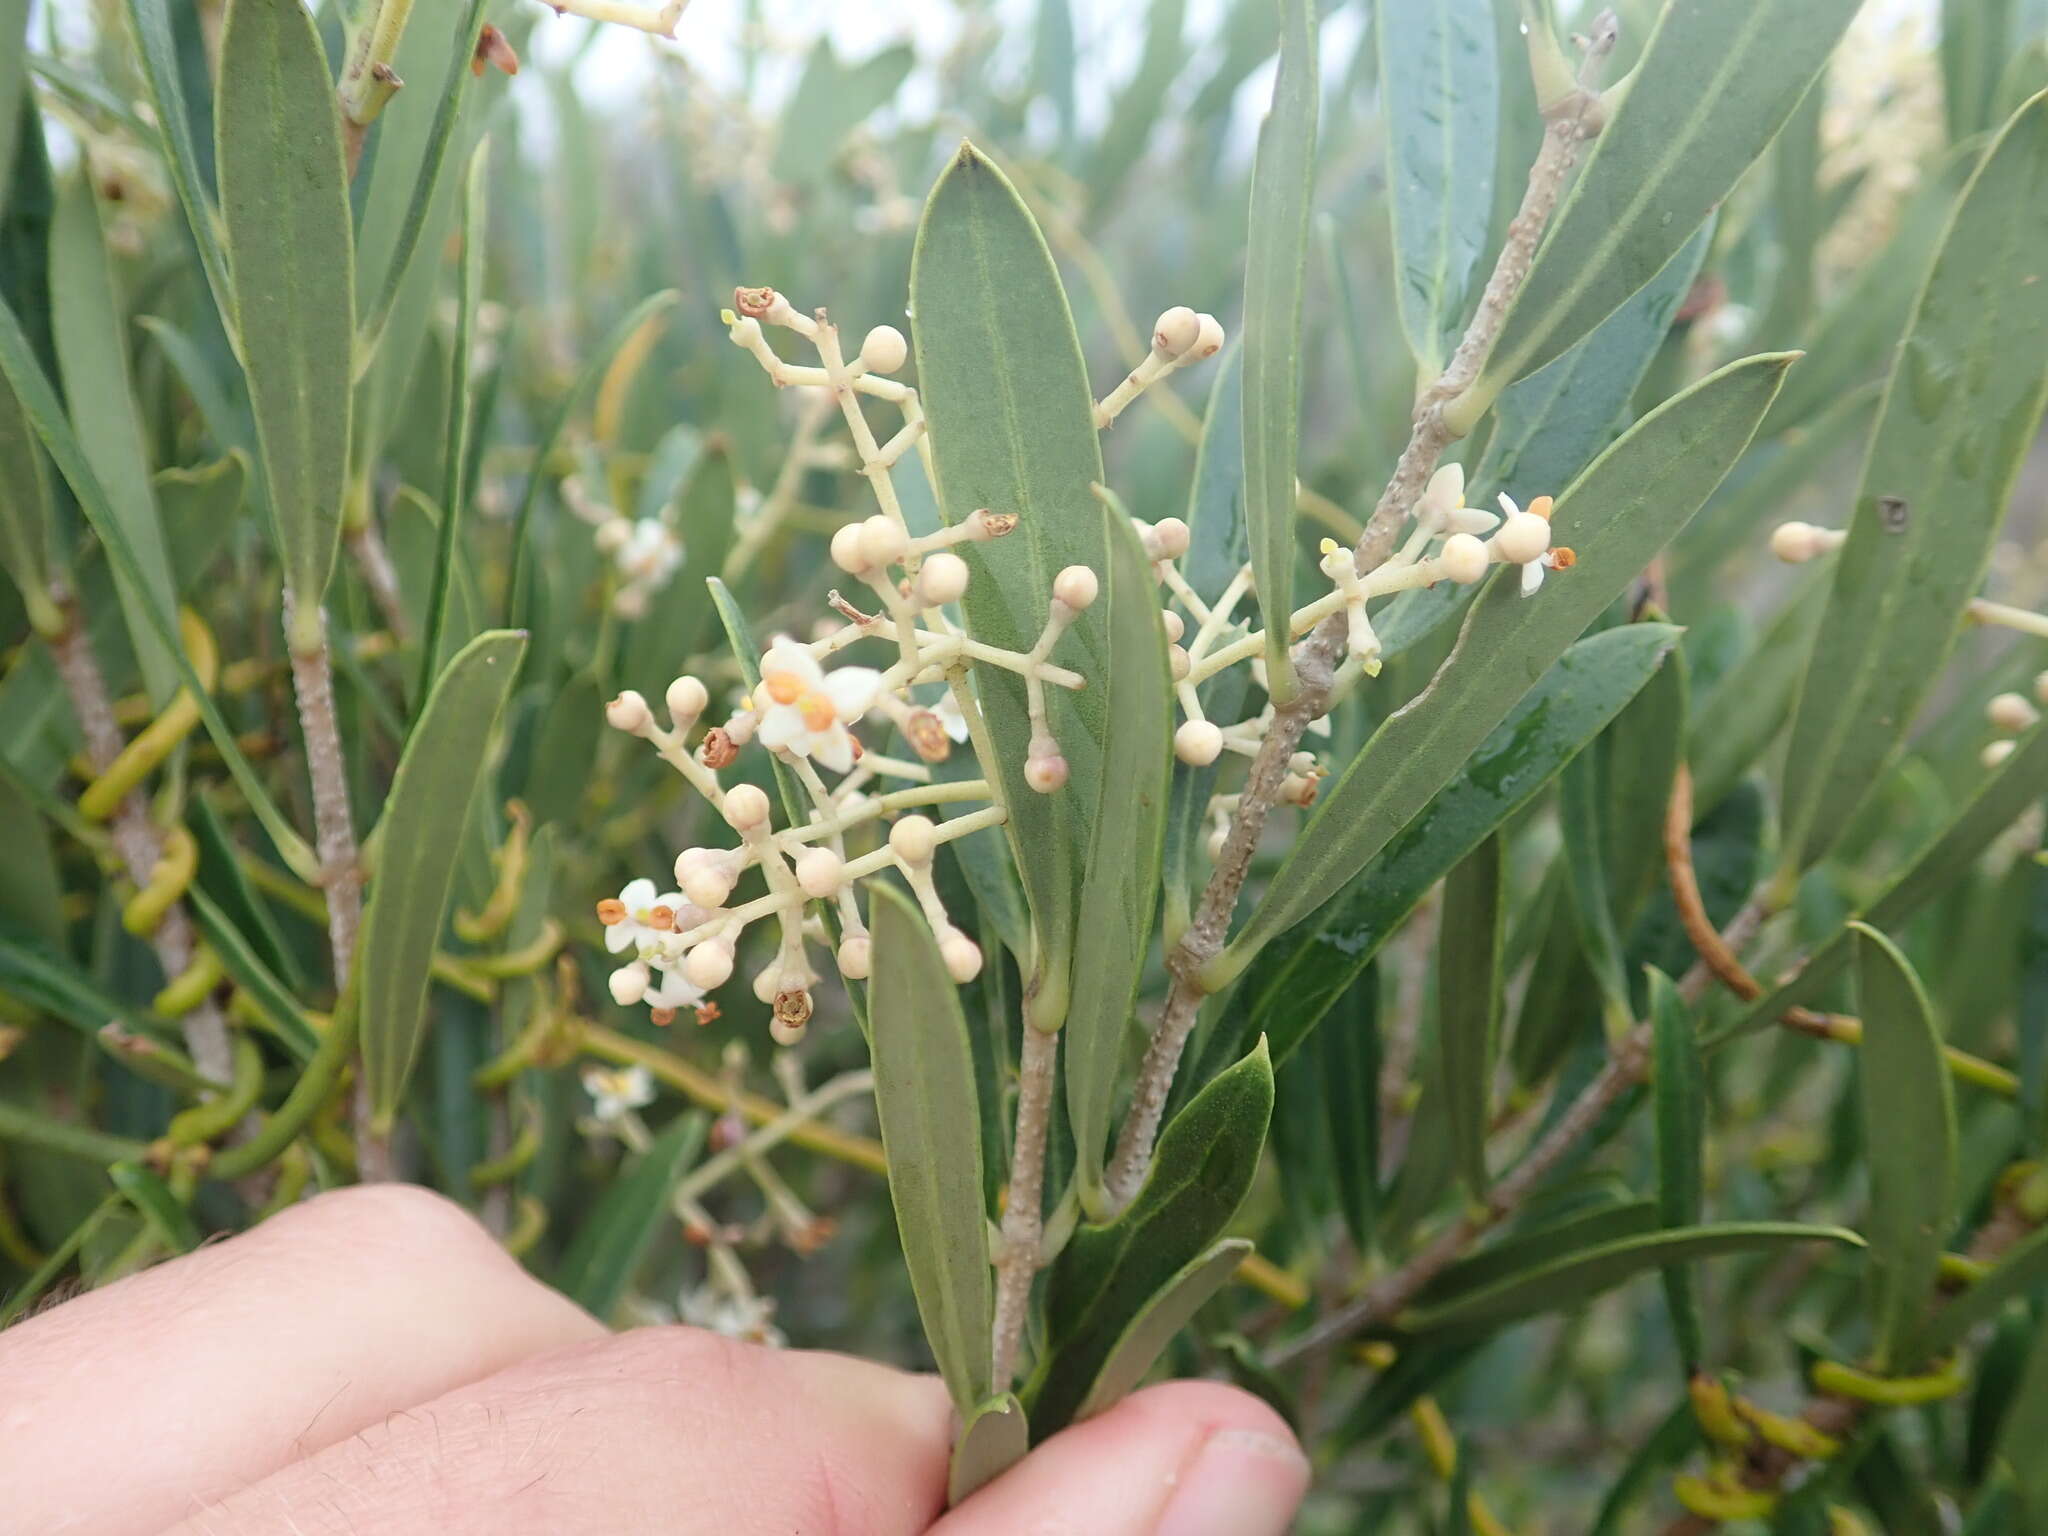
column 1188, row 1458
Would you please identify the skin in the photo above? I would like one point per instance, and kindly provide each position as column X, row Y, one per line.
column 371, row 1363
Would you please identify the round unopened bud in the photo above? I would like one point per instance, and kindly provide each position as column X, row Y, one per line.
column 1170, row 537
column 1208, row 339
column 942, row 578
column 1997, row 752
column 884, row 350
column 1175, row 626
column 913, row 839
column 709, row 965
column 1076, row 586
column 1045, row 773
column 612, row 534
column 820, row 872
column 707, row 884
column 1464, row 558
column 1522, row 538
column 686, row 699
column 787, row 1032
column 961, row 955
column 856, row 955
column 1199, row 742
column 629, row 984
column 882, row 540
column 2011, row 712
column 1215, row 843
column 746, row 807
column 1796, row 543
column 846, row 551
column 1179, row 662
column 629, row 712
column 1176, row 330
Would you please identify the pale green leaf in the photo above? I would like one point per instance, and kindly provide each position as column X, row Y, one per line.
column 284, row 206
column 608, row 1247
column 154, row 24
column 420, row 835
column 993, row 1440
column 1169, row 1311
column 830, row 101
column 1959, row 416
column 1679, row 1097
column 1468, row 988
column 925, row 1099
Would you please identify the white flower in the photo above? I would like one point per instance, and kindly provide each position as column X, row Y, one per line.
column 674, row 991
column 806, row 710
column 617, row 1091
column 649, row 554
column 1524, row 540
column 737, row 1317
column 951, row 717
column 1442, row 509
column 639, row 917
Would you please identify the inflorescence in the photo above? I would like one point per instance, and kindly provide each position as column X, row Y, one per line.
column 682, row 943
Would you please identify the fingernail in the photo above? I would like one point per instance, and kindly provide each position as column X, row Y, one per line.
column 1240, row 1483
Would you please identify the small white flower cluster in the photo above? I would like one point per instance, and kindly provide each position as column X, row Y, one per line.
column 645, row 552
column 2012, row 714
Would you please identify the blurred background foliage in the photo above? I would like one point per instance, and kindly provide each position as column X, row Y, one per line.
column 620, row 170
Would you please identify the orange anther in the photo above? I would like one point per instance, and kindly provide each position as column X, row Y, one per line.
column 611, row 911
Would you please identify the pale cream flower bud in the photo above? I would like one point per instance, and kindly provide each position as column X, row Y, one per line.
column 847, row 553
column 1076, row 586
column 1198, row 742
column 961, row 955
column 912, row 839
column 1175, row 331
column 1045, row 773
column 629, row 984
column 746, row 807
column 884, row 350
column 686, row 699
column 612, row 534
column 1794, row 543
column 1997, row 752
column 708, row 884
column 882, row 541
column 1179, row 662
column 1208, row 339
column 856, row 956
column 1170, row 537
column 820, row 872
column 2011, row 712
column 787, row 1032
column 1175, row 626
column 629, row 713
column 1464, row 558
column 709, row 965
column 942, row 578
column 1522, row 538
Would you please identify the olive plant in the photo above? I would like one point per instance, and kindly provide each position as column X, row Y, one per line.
column 611, row 660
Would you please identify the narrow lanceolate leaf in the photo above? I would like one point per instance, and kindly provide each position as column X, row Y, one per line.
column 1137, row 108
column 1568, row 1283
column 1714, row 85
column 1909, row 1138
column 2026, row 1430
column 25, row 511
column 1468, row 987
column 1550, row 425
column 1738, row 722
column 1107, row 1276
column 830, row 101
column 608, row 1247
column 1959, row 414
column 284, row 205
column 420, row 834
column 1439, row 81
column 1582, row 812
column 1299, row 976
column 993, row 1440
column 925, row 1099
column 156, row 51
column 13, row 84
column 1120, row 883
column 92, row 355
column 1680, row 1118
column 1145, row 1340
column 1012, row 428
column 1616, row 516
column 1275, row 272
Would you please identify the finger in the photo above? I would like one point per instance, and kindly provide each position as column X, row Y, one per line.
column 1189, row 1458
column 662, row 1429
column 130, row 1406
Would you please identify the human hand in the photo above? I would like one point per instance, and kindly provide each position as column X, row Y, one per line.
column 371, row 1363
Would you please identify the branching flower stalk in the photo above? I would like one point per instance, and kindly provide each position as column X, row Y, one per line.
column 1442, row 414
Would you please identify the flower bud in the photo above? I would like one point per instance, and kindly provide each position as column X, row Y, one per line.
column 942, row 578
column 709, row 965
column 707, row 884
column 856, row 956
column 884, row 350
column 1464, row 559
column 629, row 713
column 961, row 955
column 629, row 984
column 2011, row 712
column 746, row 807
column 1198, row 742
column 820, row 872
column 787, row 1032
column 1997, row 752
column 1175, row 626
column 611, row 535
column 912, row 839
column 1208, row 339
column 1179, row 662
column 1076, row 586
column 1175, row 331
column 1794, row 543
column 882, row 541
column 846, row 551
column 686, row 700
column 1045, row 773
column 1522, row 538
column 1170, row 538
